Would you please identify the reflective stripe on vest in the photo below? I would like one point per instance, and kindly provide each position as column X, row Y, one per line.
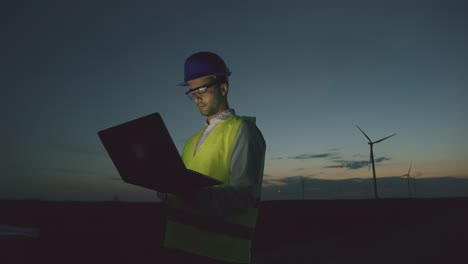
column 227, row 239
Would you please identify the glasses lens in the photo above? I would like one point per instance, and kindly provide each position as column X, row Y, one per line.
column 191, row 94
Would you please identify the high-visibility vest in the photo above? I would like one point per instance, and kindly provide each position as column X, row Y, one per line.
column 228, row 239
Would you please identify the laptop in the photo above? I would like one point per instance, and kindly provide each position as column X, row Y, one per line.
column 145, row 155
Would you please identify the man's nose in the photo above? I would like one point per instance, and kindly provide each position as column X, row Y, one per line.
column 197, row 98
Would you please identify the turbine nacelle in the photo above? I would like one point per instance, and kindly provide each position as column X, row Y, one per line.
column 374, row 142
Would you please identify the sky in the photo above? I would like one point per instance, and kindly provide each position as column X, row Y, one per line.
column 310, row 71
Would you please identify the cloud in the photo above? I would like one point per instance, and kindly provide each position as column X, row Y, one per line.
column 328, row 155
column 354, row 165
column 313, row 156
column 360, row 156
column 378, row 160
column 272, row 182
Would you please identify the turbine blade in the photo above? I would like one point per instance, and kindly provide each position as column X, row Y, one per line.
column 410, row 168
column 384, row 138
column 370, row 159
column 364, row 134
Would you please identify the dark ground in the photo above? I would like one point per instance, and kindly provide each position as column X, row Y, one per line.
column 335, row 231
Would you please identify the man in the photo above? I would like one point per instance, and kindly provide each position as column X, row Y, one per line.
column 216, row 224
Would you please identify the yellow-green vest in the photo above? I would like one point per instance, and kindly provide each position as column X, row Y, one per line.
column 190, row 230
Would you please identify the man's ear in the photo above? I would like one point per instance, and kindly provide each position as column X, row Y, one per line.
column 224, row 89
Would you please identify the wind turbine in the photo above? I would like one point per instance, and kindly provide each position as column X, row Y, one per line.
column 408, row 177
column 371, row 144
column 302, row 179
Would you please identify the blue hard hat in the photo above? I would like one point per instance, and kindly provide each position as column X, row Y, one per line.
column 203, row 64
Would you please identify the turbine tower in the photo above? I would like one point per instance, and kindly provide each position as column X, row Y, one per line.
column 371, row 144
column 302, row 179
column 408, row 177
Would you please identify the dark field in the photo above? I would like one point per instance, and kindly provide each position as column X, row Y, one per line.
column 335, row 231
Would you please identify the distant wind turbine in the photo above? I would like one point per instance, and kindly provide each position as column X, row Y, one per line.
column 408, row 177
column 302, row 179
column 371, row 144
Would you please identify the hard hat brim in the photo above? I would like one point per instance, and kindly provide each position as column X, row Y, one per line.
column 186, row 84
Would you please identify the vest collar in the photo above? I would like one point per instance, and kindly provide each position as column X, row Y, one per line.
column 222, row 116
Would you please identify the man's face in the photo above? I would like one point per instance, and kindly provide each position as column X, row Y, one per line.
column 213, row 100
